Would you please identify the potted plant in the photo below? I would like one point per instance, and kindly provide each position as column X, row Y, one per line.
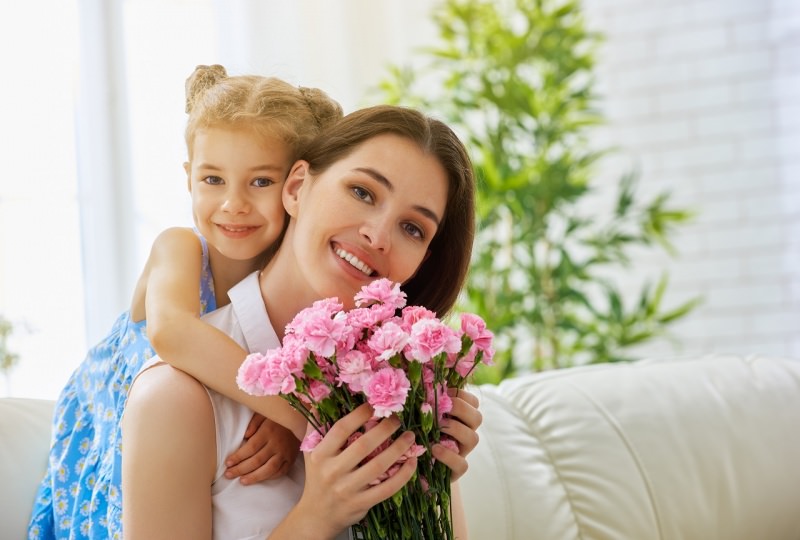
column 515, row 80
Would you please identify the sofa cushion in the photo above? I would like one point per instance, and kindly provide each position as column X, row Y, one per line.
column 24, row 444
column 685, row 449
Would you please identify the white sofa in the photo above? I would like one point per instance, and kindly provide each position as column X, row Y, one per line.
column 696, row 449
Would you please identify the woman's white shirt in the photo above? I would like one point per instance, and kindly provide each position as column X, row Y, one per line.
column 246, row 512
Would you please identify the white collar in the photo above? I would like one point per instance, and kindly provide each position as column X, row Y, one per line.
column 252, row 315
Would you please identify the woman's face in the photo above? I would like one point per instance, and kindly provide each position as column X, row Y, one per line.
column 371, row 215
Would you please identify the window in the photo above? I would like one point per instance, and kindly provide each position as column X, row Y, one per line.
column 41, row 288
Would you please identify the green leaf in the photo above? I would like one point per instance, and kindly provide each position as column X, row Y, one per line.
column 515, row 79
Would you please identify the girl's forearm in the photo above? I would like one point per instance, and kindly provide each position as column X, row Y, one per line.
column 213, row 358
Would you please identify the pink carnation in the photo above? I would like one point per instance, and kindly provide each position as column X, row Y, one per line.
column 361, row 319
column 430, row 337
column 249, row 375
column 475, row 329
column 383, row 291
column 387, row 391
column 441, row 400
column 412, row 314
column 462, row 364
column 388, row 340
column 355, row 370
column 310, row 441
column 268, row 374
column 449, row 443
column 319, row 331
column 318, row 390
column 382, row 312
column 326, row 306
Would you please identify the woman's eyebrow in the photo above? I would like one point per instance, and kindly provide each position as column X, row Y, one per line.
column 427, row 212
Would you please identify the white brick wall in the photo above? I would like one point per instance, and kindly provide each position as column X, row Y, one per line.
column 703, row 97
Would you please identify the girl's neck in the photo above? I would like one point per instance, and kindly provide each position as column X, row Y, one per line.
column 227, row 273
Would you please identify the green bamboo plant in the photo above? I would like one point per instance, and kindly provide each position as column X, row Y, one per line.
column 515, row 80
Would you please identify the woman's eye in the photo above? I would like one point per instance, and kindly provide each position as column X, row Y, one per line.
column 362, row 194
column 262, row 182
column 414, row 231
column 213, row 180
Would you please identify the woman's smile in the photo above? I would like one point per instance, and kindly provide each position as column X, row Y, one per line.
column 355, row 261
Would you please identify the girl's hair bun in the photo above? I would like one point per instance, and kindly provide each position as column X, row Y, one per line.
column 203, row 78
column 326, row 111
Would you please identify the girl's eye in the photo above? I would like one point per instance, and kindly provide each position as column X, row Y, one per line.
column 414, row 231
column 213, row 180
column 262, row 182
column 362, row 194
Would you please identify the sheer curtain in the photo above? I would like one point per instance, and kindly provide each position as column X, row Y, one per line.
column 41, row 286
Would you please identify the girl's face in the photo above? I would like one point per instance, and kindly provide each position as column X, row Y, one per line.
column 370, row 215
column 235, row 178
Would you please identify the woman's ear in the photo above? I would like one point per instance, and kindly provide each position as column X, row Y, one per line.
column 293, row 186
column 188, row 168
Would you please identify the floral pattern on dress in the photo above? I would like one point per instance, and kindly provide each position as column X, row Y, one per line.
column 80, row 495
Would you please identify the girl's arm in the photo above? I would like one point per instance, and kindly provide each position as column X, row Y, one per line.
column 183, row 340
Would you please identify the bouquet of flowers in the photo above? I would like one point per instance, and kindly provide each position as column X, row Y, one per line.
column 400, row 359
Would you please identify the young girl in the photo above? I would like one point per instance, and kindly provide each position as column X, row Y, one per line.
column 384, row 193
column 243, row 134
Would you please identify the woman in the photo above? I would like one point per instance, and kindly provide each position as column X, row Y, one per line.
column 384, row 193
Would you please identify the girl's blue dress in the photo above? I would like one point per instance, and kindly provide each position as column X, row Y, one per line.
column 80, row 496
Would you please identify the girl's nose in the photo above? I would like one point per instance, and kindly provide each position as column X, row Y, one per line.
column 235, row 203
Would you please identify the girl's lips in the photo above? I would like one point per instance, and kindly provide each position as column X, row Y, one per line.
column 236, row 231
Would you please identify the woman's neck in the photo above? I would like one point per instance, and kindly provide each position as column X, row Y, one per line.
column 283, row 291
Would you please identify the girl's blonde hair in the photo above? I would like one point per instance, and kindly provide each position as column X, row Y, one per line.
column 267, row 105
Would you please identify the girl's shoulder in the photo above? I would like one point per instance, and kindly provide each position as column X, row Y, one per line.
column 178, row 242
column 186, row 235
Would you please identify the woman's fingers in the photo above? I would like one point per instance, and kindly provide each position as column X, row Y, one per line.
column 340, row 432
column 380, row 492
column 463, row 420
column 466, row 395
column 465, row 408
column 466, row 437
column 455, row 462
column 345, row 480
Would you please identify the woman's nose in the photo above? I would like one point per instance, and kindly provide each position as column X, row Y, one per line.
column 378, row 234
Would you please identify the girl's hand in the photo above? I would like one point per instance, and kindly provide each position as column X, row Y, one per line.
column 268, row 451
column 461, row 424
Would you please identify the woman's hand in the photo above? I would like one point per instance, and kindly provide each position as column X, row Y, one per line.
column 338, row 491
column 461, row 424
column 268, row 451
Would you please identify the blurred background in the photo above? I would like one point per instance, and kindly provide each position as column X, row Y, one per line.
column 689, row 109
